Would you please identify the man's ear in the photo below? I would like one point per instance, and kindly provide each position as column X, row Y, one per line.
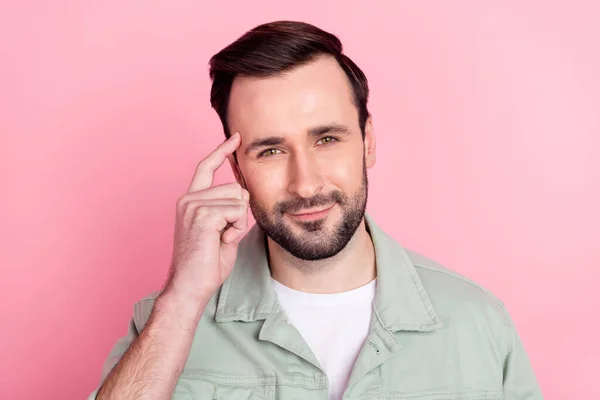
column 236, row 171
column 369, row 143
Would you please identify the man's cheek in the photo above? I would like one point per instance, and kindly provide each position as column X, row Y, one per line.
column 343, row 174
column 272, row 181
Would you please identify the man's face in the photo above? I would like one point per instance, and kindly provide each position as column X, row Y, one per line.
column 302, row 156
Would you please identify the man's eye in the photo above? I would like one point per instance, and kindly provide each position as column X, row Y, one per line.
column 269, row 152
column 327, row 140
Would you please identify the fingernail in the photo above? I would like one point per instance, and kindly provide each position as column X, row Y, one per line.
column 235, row 135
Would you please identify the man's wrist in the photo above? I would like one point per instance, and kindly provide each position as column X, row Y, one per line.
column 185, row 306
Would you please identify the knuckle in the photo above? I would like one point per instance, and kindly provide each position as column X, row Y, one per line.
column 200, row 168
column 188, row 208
column 201, row 165
column 181, row 203
column 201, row 212
column 181, row 200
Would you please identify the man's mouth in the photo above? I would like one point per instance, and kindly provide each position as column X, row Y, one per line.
column 311, row 214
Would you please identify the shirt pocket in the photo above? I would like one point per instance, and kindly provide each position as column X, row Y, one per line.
column 445, row 395
column 201, row 389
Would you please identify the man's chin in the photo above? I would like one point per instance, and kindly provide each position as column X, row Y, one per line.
column 312, row 248
column 307, row 241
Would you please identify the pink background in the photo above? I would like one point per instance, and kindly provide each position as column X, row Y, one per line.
column 488, row 130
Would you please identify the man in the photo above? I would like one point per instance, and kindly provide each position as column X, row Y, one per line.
column 315, row 302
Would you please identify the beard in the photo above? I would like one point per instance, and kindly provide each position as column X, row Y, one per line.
column 315, row 241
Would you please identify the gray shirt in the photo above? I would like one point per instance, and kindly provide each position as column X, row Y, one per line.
column 434, row 335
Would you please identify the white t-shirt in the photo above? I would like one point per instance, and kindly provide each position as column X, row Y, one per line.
column 335, row 326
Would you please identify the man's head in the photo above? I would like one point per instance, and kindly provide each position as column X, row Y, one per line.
column 300, row 106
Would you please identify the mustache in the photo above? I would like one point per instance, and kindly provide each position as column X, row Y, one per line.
column 300, row 203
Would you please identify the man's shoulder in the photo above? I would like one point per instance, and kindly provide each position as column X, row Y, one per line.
column 452, row 293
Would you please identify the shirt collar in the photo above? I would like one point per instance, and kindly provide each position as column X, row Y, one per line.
column 401, row 302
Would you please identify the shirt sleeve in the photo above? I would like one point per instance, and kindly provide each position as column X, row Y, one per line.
column 116, row 353
column 519, row 381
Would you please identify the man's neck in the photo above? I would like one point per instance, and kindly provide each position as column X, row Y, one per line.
column 351, row 268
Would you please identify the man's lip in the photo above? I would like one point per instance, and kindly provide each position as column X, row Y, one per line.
column 312, row 211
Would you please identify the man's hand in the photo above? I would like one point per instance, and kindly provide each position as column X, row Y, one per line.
column 210, row 222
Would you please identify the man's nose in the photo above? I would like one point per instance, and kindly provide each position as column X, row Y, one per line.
column 305, row 178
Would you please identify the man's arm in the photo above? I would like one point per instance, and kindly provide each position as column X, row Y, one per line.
column 520, row 382
column 151, row 367
column 210, row 221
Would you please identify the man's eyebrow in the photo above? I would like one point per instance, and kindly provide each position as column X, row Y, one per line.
column 263, row 142
column 315, row 131
column 329, row 128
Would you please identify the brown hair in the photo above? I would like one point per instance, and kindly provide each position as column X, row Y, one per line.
column 275, row 48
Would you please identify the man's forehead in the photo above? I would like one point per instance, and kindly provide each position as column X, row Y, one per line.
column 309, row 95
column 321, row 72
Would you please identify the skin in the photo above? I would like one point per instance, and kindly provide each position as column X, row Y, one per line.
column 299, row 166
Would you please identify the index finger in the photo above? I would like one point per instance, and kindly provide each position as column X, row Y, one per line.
column 205, row 171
